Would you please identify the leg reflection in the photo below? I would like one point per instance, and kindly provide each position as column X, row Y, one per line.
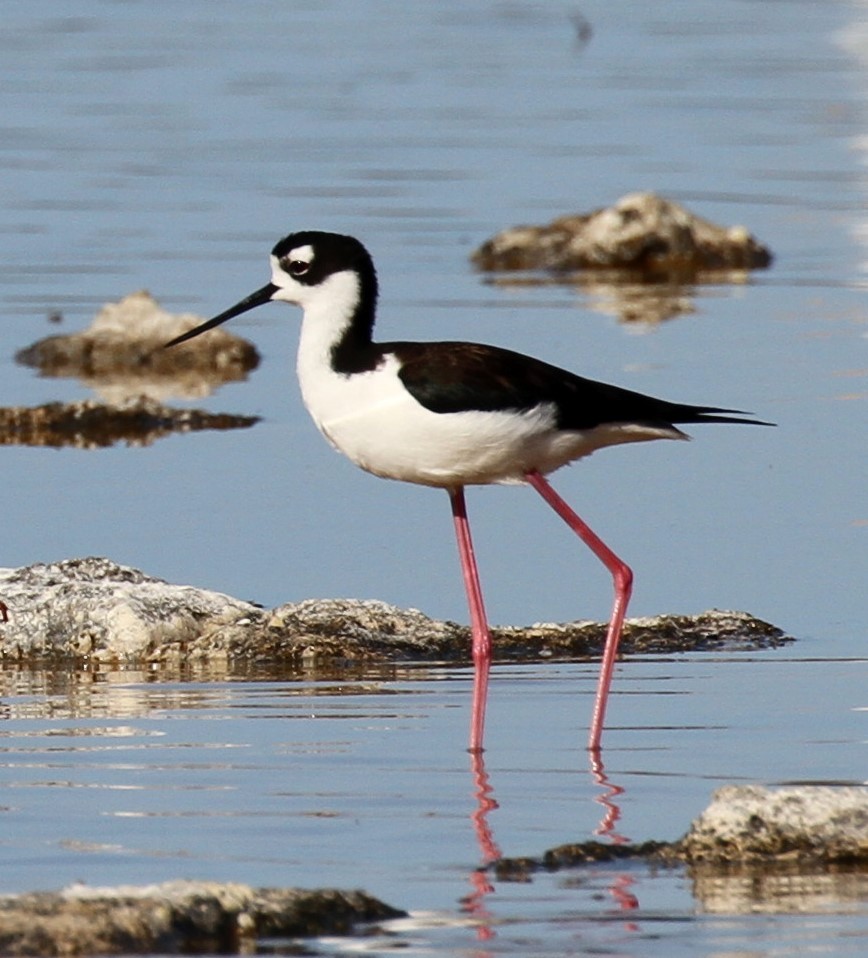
column 620, row 888
column 608, row 799
column 474, row 903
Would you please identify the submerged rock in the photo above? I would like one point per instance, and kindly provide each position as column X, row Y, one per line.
column 576, row 854
column 642, row 233
column 754, row 849
column 808, row 825
column 121, row 355
column 88, row 424
column 179, row 917
column 95, row 610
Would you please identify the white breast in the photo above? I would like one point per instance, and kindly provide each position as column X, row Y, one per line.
column 372, row 419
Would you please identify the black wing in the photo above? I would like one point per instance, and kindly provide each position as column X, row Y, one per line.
column 456, row 377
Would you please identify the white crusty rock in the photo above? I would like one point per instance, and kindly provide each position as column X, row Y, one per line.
column 641, row 232
column 753, row 850
column 94, row 609
column 176, row 917
column 747, row 823
column 121, row 354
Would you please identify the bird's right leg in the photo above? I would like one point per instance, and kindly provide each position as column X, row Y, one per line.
column 622, row 576
column 481, row 636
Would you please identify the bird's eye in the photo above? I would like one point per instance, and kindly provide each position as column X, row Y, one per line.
column 298, row 267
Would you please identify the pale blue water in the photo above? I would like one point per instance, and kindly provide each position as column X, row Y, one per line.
column 168, row 147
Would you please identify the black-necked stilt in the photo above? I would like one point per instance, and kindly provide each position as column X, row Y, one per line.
column 452, row 414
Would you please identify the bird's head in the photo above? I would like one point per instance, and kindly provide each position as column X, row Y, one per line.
column 309, row 269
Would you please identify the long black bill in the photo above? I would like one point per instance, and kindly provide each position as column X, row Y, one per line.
column 258, row 298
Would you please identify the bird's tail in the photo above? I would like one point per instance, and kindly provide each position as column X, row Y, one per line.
column 714, row 414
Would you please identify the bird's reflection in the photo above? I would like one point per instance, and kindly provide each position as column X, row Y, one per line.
column 474, row 904
column 621, row 887
column 608, row 799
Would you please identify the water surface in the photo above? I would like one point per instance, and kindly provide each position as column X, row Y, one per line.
column 168, row 149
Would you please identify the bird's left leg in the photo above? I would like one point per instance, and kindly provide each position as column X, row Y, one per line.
column 622, row 576
column 481, row 636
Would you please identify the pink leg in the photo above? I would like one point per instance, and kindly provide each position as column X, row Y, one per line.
column 478, row 623
column 623, row 577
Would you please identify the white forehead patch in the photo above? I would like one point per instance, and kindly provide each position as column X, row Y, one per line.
column 303, row 253
column 279, row 275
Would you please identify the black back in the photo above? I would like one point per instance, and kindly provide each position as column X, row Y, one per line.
column 448, row 377
column 455, row 377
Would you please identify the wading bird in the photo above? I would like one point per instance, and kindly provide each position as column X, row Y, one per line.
column 453, row 414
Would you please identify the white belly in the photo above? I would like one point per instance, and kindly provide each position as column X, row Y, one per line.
column 374, row 421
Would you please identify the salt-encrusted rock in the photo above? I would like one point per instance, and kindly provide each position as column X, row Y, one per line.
column 179, row 917
column 88, row 424
column 95, row 610
column 746, row 823
column 753, row 850
column 121, row 353
column 800, row 827
column 642, row 232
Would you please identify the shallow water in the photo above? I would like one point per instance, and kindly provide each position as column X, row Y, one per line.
column 169, row 151
column 357, row 780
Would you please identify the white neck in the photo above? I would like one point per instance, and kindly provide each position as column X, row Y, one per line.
column 328, row 312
